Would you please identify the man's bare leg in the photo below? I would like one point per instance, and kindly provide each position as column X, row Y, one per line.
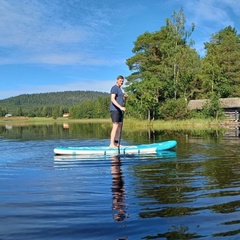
column 114, row 134
column 117, row 136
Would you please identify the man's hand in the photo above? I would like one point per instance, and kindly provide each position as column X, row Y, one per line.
column 123, row 109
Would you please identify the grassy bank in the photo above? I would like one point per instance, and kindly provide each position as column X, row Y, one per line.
column 177, row 124
column 23, row 121
column 128, row 123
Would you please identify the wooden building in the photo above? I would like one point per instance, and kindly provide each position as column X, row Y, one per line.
column 66, row 115
column 230, row 106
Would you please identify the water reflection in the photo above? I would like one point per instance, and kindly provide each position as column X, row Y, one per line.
column 8, row 127
column 232, row 131
column 191, row 193
column 65, row 125
column 55, row 131
column 102, row 130
column 118, row 190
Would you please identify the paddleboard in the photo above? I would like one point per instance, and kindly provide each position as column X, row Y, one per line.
column 103, row 150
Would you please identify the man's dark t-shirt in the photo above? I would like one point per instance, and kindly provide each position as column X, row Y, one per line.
column 119, row 97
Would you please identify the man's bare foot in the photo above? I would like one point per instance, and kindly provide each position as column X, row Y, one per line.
column 113, row 146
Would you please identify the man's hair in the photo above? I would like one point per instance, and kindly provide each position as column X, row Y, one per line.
column 120, row 77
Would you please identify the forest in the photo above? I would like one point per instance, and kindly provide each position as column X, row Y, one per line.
column 53, row 104
column 166, row 72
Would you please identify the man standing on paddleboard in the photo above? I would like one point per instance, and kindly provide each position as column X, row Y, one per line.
column 116, row 109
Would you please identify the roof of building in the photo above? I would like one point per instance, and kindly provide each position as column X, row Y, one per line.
column 225, row 103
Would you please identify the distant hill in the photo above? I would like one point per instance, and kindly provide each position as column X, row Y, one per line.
column 67, row 98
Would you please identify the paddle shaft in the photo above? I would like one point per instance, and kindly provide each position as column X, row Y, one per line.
column 120, row 134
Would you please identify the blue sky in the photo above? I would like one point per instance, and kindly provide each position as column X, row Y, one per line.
column 61, row 45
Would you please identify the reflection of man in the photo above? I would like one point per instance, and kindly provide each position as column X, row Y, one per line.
column 118, row 190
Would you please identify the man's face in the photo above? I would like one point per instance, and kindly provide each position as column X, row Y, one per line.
column 120, row 82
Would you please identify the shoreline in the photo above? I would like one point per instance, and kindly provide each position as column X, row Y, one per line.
column 128, row 123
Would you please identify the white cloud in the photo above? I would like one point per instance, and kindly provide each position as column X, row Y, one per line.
column 212, row 14
column 209, row 16
column 52, row 32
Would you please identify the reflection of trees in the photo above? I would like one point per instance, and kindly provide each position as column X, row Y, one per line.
column 93, row 130
column 173, row 183
column 223, row 170
column 176, row 232
column 166, row 182
column 118, row 191
column 204, row 179
column 57, row 131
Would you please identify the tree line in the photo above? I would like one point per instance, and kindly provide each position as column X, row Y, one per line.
column 54, row 104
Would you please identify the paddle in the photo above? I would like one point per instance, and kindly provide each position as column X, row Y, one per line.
column 120, row 134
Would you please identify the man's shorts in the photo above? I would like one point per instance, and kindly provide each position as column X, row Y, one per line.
column 117, row 116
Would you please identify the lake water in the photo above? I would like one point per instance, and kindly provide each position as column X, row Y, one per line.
column 190, row 192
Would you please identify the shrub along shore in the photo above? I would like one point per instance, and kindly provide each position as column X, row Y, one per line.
column 128, row 123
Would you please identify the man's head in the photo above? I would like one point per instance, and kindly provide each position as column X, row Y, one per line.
column 120, row 80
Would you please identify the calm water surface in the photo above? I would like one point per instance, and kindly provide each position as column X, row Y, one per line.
column 190, row 192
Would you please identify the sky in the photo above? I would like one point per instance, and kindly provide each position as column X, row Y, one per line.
column 81, row 45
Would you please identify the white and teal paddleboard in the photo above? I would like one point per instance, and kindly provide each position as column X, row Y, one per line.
column 103, row 150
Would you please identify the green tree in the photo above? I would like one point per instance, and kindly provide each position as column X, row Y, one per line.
column 55, row 112
column 174, row 109
column 20, row 112
column 212, row 108
column 159, row 70
column 221, row 66
column 98, row 108
column 3, row 111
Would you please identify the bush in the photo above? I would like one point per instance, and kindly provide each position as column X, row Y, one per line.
column 212, row 108
column 174, row 109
